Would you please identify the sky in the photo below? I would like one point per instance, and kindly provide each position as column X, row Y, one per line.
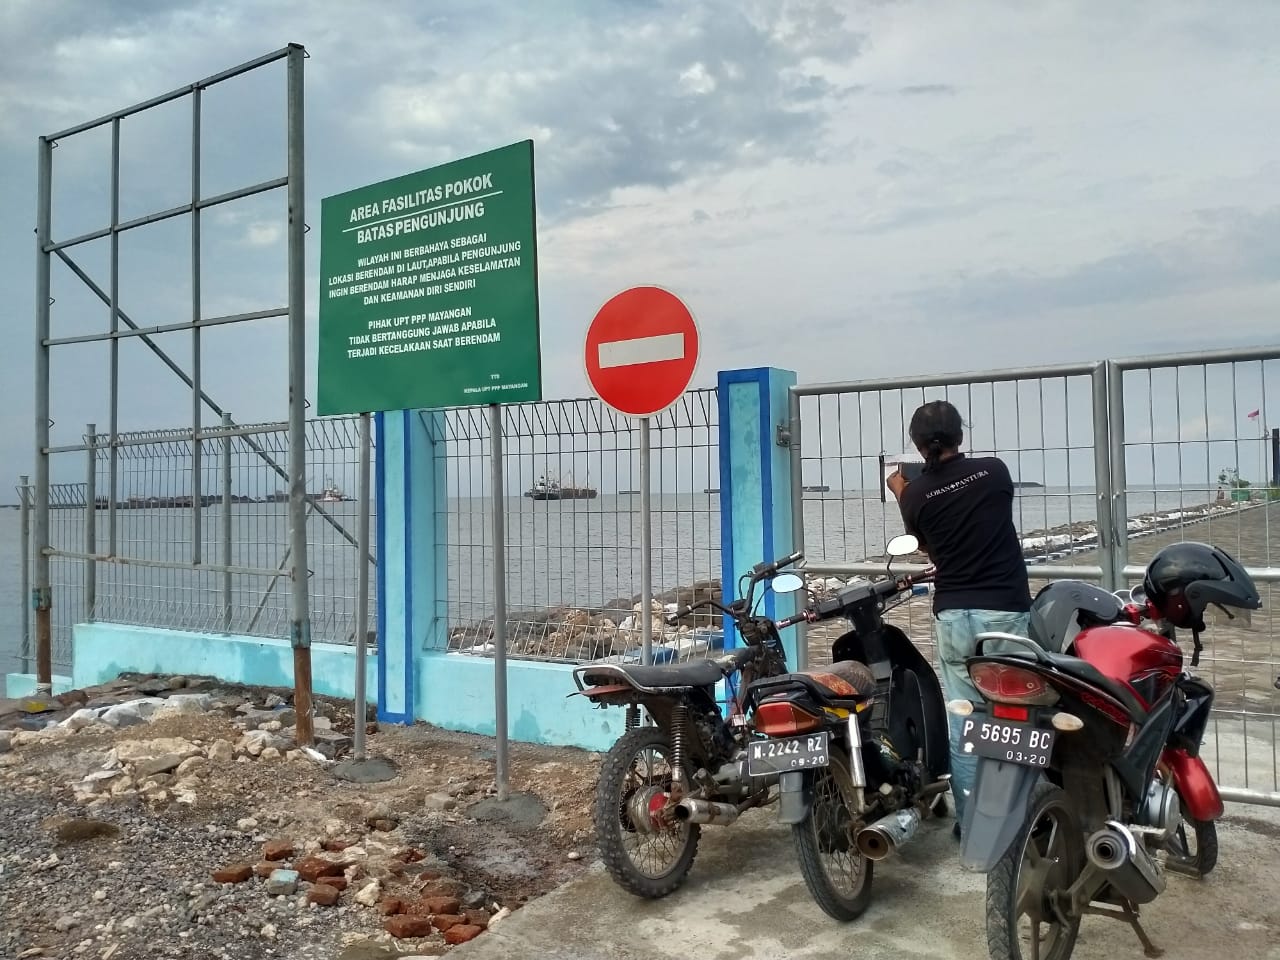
column 845, row 189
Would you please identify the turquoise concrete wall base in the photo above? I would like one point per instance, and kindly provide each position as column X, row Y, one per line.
column 538, row 704
column 102, row 651
column 24, row 684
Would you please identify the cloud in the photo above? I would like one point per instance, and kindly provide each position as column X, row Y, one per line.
column 848, row 190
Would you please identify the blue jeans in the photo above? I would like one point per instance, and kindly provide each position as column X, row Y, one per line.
column 957, row 633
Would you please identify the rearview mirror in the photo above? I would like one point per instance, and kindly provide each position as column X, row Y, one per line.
column 786, row 583
column 901, row 546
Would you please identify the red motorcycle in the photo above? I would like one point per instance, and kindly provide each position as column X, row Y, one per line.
column 1089, row 783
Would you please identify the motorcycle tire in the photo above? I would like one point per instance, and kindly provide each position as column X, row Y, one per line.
column 1201, row 862
column 614, row 829
column 1005, row 881
column 827, row 832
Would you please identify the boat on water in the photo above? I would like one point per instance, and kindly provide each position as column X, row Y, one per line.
column 549, row 489
column 331, row 494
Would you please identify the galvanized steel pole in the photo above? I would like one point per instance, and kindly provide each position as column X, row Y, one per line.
column 1102, row 472
column 197, row 448
column 300, row 626
column 797, row 510
column 113, row 302
column 1119, row 472
column 646, row 546
column 91, row 520
column 362, row 586
column 24, row 483
column 226, row 522
column 499, row 604
column 42, row 599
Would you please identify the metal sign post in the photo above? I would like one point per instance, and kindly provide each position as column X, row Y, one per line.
column 640, row 354
column 646, row 546
column 499, row 607
column 362, row 588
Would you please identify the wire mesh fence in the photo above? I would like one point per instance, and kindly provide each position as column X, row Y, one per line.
column 1174, row 449
column 160, row 534
column 573, row 528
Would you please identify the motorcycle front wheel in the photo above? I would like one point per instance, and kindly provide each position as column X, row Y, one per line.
column 1193, row 847
column 646, row 853
column 837, row 875
column 1026, row 918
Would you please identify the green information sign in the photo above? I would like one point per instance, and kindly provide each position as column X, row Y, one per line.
column 429, row 289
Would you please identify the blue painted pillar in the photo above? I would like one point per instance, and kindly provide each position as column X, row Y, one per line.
column 412, row 546
column 755, row 486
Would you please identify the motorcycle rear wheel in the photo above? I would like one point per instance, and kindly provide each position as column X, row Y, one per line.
column 647, row 864
column 1044, row 859
column 837, row 875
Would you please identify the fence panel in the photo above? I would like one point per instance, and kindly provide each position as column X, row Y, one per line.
column 573, row 565
column 1192, row 444
column 244, row 526
column 1041, row 421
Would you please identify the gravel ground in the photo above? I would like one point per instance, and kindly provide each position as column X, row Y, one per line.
column 102, row 857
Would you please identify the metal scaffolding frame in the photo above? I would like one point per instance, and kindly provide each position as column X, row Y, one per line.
column 294, row 310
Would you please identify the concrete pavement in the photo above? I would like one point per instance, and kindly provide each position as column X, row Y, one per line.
column 745, row 900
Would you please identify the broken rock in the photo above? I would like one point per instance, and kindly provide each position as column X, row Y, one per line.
column 136, row 751
column 221, row 751
column 313, row 868
column 282, row 883
column 367, row 896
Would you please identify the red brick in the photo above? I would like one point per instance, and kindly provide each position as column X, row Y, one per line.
column 236, row 873
column 477, row 918
column 335, row 846
column 462, row 933
column 337, row 882
column 277, row 850
column 439, row 905
column 313, row 868
column 445, row 921
column 264, row 869
column 323, row 894
column 390, row 906
column 404, row 928
column 410, row 855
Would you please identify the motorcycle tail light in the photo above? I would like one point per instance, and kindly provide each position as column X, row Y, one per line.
column 1005, row 711
column 783, row 718
column 1002, row 683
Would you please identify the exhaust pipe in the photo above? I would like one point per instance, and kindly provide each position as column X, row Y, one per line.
column 1128, row 866
column 878, row 840
column 704, row 811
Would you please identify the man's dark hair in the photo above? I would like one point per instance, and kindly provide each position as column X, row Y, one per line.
column 936, row 428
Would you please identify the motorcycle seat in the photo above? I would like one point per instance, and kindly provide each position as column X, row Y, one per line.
column 695, row 673
column 1084, row 671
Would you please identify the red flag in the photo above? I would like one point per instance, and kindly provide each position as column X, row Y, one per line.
column 1254, row 415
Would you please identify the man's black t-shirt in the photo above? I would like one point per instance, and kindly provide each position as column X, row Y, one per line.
column 962, row 513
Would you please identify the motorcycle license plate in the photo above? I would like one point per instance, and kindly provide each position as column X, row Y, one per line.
column 1007, row 741
column 765, row 757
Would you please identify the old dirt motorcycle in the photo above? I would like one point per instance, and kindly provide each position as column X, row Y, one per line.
column 861, row 747
column 1090, row 786
column 660, row 783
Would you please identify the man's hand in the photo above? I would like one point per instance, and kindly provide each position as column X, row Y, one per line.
column 896, row 483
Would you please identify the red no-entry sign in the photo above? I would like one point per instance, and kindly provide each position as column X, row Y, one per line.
column 641, row 351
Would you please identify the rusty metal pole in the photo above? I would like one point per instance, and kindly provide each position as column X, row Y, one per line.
column 42, row 594
column 300, row 627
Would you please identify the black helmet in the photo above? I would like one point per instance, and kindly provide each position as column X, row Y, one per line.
column 1183, row 579
column 1065, row 607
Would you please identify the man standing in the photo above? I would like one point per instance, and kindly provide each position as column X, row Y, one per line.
column 961, row 511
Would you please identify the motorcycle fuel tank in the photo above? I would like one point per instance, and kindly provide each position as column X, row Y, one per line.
column 1147, row 662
